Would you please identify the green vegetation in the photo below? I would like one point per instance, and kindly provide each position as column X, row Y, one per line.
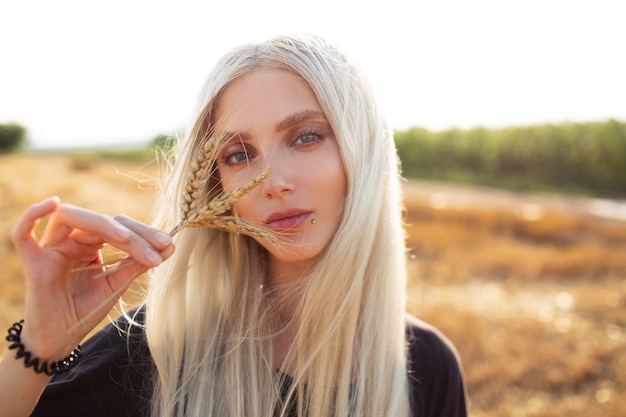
column 577, row 157
column 12, row 137
column 84, row 158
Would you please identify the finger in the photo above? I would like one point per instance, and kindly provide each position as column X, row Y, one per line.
column 157, row 238
column 23, row 233
column 98, row 258
column 68, row 217
column 92, row 254
column 87, row 238
column 127, row 274
column 69, row 221
column 167, row 252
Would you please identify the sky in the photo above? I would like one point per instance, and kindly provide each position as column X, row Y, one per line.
column 90, row 73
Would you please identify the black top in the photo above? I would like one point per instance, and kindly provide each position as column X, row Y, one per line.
column 113, row 378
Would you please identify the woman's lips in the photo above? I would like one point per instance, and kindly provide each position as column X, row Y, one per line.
column 288, row 219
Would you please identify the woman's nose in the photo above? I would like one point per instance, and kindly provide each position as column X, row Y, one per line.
column 280, row 181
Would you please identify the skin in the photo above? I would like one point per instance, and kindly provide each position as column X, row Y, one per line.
column 273, row 119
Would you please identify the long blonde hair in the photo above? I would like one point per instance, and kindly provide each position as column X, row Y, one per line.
column 209, row 326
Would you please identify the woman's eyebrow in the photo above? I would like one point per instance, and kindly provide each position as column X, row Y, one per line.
column 298, row 117
column 287, row 122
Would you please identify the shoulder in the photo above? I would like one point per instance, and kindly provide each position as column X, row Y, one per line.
column 427, row 342
column 435, row 374
column 113, row 376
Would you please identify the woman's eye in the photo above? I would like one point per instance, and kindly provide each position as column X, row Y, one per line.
column 236, row 158
column 308, row 139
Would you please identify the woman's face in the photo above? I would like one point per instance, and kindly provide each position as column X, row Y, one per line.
column 271, row 119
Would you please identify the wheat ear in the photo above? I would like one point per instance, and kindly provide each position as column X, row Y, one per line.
column 213, row 214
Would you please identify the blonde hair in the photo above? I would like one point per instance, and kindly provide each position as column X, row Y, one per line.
column 209, row 326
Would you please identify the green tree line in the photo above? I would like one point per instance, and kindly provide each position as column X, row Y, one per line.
column 578, row 157
column 12, row 137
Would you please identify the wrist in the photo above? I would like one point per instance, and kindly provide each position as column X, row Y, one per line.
column 50, row 349
column 40, row 364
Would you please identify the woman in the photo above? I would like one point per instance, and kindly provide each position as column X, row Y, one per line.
column 309, row 322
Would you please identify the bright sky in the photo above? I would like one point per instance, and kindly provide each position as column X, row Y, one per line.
column 79, row 73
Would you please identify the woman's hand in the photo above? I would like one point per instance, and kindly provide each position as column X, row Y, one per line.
column 57, row 296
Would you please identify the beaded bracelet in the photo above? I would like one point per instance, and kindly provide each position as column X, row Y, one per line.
column 55, row 368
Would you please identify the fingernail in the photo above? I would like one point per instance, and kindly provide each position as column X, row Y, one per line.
column 162, row 238
column 153, row 257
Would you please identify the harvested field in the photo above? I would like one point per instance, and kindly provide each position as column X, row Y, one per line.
column 531, row 289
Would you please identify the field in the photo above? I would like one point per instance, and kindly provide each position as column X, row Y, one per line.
column 531, row 289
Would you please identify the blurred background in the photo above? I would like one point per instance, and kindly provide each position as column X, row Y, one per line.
column 510, row 123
